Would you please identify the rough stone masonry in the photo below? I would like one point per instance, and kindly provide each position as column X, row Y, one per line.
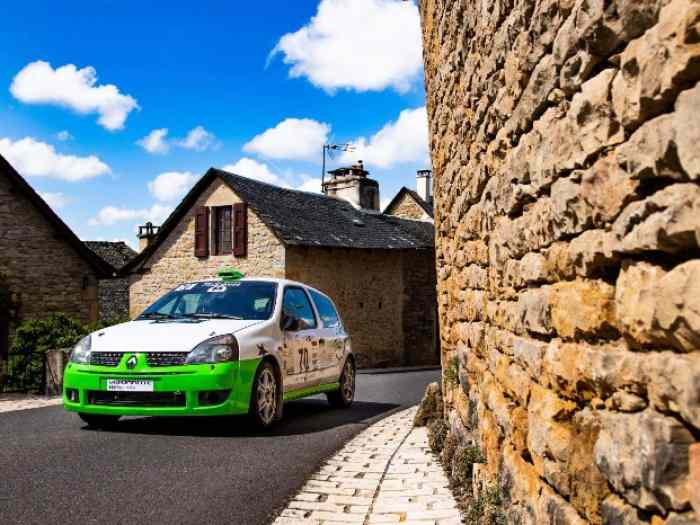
column 565, row 138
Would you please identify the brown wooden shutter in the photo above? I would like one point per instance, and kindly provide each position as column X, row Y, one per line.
column 201, row 232
column 240, row 229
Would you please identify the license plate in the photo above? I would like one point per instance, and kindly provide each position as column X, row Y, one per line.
column 122, row 385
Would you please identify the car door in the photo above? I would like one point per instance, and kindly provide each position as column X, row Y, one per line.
column 300, row 349
column 332, row 336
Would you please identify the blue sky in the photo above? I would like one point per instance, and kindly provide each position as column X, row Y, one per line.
column 88, row 85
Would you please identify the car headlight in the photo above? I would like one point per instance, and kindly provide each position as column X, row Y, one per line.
column 81, row 351
column 215, row 350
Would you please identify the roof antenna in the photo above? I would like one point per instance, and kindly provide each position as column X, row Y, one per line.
column 332, row 149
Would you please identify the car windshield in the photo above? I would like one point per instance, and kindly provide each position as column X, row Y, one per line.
column 253, row 300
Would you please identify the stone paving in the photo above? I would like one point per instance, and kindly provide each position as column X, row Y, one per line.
column 12, row 402
column 387, row 474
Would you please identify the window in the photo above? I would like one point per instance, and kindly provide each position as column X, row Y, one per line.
column 296, row 304
column 222, row 230
column 326, row 310
column 242, row 300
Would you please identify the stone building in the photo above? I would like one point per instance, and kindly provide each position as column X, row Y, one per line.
column 44, row 267
column 378, row 268
column 416, row 205
column 564, row 141
column 113, row 293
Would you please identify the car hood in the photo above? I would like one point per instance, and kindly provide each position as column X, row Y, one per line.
column 163, row 336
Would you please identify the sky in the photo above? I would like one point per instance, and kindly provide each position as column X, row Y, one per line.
column 113, row 109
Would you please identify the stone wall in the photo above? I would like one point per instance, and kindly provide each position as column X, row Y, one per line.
column 114, row 298
column 564, row 140
column 41, row 271
column 369, row 287
column 174, row 262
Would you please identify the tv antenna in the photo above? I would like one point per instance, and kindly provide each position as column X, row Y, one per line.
column 332, row 149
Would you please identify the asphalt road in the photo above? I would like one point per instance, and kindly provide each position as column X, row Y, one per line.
column 55, row 470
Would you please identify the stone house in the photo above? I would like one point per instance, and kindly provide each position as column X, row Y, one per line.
column 44, row 267
column 416, row 205
column 378, row 268
column 113, row 293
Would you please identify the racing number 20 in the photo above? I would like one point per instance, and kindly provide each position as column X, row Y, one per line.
column 304, row 360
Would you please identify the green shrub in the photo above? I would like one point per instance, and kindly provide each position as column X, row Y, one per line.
column 437, row 432
column 33, row 339
column 486, row 508
column 463, row 464
column 449, row 447
column 451, row 372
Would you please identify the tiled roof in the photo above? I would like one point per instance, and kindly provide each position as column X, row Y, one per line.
column 115, row 253
column 312, row 219
column 304, row 219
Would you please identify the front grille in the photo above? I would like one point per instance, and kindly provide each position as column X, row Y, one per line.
column 105, row 358
column 140, row 399
column 166, row 358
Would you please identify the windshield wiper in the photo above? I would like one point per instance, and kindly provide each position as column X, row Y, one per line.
column 206, row 315
column 155, row 315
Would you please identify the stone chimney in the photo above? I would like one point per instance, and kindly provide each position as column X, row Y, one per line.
column 424, row 183
column 146, row 234
column 353, row 185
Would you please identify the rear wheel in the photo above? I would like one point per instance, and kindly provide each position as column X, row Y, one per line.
column 99, row 421
column 344, row 396
column 265, row 398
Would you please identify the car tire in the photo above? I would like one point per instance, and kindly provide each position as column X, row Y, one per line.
column 345, row 395
column 99, row 421
column 265, row 398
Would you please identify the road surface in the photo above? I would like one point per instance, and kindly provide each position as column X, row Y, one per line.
column 55, row 470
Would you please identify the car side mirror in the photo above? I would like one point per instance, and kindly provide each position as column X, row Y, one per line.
column 289, row 323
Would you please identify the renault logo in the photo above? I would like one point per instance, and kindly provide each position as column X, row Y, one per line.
column 131, row 362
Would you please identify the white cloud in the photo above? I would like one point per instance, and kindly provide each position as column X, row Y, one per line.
column 38, row 159
column 113, row 214
column 77, row 89
column 405, row 140
column 384, row 204
column 55, row 200
column 365, row 45
column 198, row 139
column 155, row 141
column 64, row 135
column 296, row 139
column 171, row 186
column 254, row 170
column 311, row 185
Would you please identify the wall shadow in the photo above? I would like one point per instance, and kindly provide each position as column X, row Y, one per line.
column 300, row 417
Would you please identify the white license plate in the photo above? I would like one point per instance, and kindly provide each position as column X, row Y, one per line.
column 121, row 385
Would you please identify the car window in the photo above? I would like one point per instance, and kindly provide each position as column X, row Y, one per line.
column 242, row 299
column 296, row 304
column 326, row 310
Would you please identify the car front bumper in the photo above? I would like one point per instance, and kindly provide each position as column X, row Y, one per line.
column 176, row 389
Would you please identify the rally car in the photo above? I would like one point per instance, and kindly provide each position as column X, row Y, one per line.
column 221, row 347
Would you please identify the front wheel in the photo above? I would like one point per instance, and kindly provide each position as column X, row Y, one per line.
column 98, row 421
column 265, row 398
column 344, row 396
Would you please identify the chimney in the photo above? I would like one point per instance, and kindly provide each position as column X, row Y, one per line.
column 424, row 183
column 353, row 185
column 146, row 234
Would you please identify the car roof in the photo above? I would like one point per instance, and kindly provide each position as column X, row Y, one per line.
column 281, row 282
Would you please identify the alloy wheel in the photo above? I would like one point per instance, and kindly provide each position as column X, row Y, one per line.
column 267, row 396
column 348, row 386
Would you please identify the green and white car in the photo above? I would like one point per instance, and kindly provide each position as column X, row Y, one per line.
column 215, row 348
